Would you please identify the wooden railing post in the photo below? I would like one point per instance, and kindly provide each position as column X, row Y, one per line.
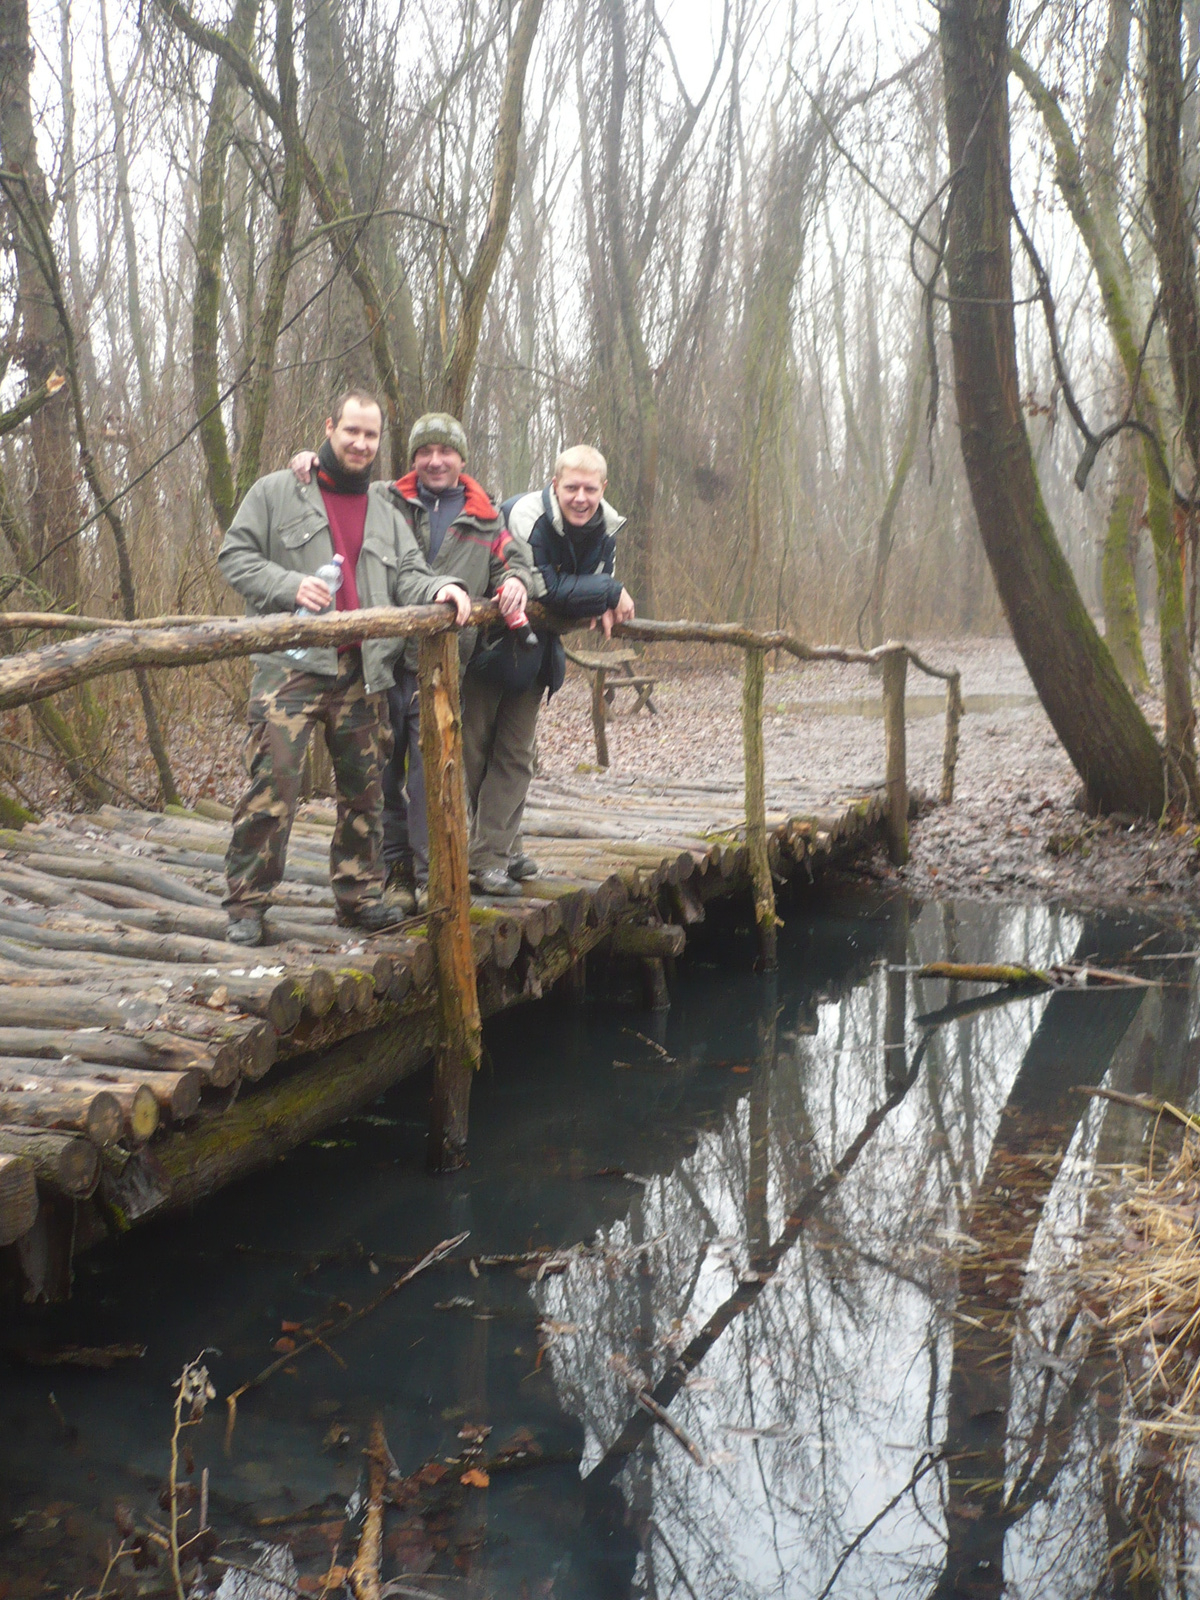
column 460, row 1033
column 599, row 717
column 895, row 668
column 756, row 808
column 954, row 711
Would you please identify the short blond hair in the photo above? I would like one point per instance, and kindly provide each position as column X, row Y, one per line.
column 583, row 458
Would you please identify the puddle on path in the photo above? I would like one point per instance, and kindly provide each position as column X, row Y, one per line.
column 868, row 1425
column 915, row 705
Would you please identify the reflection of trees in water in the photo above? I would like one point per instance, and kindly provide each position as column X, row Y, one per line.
column 823, row 1392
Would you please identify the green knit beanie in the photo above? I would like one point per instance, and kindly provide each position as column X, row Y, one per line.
column 437, row 427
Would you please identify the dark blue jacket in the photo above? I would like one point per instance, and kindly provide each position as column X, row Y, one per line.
column 575, row 564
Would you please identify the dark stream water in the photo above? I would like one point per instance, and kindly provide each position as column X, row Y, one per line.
column 860, row 1436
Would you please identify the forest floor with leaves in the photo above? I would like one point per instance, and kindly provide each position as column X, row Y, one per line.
column 1012, row 832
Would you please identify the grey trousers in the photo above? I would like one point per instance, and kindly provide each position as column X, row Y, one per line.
column 405, row 824
column 499, row 726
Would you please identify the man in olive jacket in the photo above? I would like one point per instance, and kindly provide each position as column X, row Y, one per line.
column 280, row 536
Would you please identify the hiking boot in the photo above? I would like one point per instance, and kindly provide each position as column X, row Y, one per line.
column 403, row 896
column 494, row 881
column 421, row 895
column 399, row 874
column 521, row 868
column 373, row 916
column 400, row 889
column 246, row 928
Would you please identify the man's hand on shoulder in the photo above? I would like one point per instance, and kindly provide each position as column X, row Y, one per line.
column 304, row 464
column 452, row 594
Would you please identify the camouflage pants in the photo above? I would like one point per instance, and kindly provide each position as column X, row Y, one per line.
column 285, row 706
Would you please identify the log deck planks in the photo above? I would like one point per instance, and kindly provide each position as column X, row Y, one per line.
column 115, row 973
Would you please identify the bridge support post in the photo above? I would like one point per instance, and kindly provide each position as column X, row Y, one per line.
column 765, row 917
column 895, row 670
column 460, row 1041
column 954, row 711
column 600, row 718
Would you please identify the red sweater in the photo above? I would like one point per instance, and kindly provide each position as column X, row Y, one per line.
column 347, row 515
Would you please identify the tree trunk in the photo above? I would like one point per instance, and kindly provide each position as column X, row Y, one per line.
column 133, row 296
column 1122, row 623
column 54, row 500
column 1174, row 246
column 478, row 282
column 328, row 110
column 1093, row 208
column 206, row 302
column 885, row 535
column 1104, row 733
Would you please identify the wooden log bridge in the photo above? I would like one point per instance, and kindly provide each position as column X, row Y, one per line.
column 145, row 1062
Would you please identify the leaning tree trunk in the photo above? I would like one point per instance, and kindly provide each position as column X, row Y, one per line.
column 1106, row 736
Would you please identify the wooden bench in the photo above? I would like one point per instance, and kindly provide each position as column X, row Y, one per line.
column 612, row 670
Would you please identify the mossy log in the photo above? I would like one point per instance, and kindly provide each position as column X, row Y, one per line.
column 505, row 931
column 652, row 941
column 18, row 1197
column 65, row 1163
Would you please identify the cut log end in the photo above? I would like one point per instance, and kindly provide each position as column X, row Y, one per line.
column 18, row 1197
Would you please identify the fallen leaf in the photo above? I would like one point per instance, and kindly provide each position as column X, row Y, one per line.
column 475, row 1479
column 285, row 1346
column 290, row 1327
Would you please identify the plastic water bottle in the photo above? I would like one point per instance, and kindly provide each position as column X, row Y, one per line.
column 331, row 576
column 518, row 624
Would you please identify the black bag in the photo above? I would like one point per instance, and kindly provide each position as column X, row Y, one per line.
column 500, row 659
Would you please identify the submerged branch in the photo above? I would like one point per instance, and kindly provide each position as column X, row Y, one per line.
column 335, row 1328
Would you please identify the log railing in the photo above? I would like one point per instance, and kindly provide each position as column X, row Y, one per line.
column 109, row 646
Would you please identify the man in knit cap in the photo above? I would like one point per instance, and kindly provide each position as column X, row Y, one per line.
column 462, row 536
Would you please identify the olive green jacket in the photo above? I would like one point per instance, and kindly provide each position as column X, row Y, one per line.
column 280, row 534
column 477, row 552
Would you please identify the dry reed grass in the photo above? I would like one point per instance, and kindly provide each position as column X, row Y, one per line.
column 1142, row 1275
